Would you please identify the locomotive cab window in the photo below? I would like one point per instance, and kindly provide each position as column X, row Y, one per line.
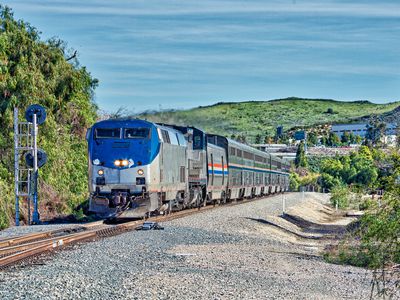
column 197, row 144
column 108, row 133
column 137, row 133
column 165, row 136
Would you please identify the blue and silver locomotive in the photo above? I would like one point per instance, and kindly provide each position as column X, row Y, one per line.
column 138, row 167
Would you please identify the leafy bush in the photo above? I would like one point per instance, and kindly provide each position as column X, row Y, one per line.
column 34, row 71
column 340, row 196
column 375, row 243
column 328, row 182
column 294, row 182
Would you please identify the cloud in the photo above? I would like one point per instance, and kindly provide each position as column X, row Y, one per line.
column 211, row 7
column 164, row 50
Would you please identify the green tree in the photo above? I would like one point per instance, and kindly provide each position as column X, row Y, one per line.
column 242, row 138
column 333, row 139
column 332, row 166
column 358, row 139
column 398, row 135
column 328, row 182
column 330, row 111
column 312, row 139
column 258, row 139
column 47, row 73
column 324, row 141
column 375, row 131
column 345, row 139
column 267, row 138
column 301, row 159
column 377, row 238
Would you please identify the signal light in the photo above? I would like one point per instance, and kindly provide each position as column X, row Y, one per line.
column 117, row 163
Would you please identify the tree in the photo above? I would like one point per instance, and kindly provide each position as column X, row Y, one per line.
column 333, row 139
column 324, row 141
column 328, row 181
column 36, row 71
column 301, row 159
column 332, row 166
column 358, row 139
column 398, row 135
column 267, row 138
column 345, row 138
column 312, row 139
column 242, row 138
column 329, row 110
column 258, row 139
column 375, row 131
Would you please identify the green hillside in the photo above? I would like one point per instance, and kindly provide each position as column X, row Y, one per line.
column 259, row 117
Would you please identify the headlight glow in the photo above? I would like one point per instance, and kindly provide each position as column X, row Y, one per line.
column 100, row 172
column 117, row 163
column 140, row 172
column 124, row 163
column 96, row 162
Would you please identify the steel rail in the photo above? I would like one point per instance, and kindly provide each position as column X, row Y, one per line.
column 17, row 253
column 7, row 242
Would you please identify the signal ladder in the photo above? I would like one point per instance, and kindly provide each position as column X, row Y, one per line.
column 25, row 148
column 23, row 143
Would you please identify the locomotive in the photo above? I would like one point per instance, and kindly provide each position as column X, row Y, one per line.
column 137, row 167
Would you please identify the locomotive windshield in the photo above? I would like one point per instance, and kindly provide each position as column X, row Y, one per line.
column 137, row 133
column 108, row 133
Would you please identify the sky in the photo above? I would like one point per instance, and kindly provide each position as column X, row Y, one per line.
column 170, row 54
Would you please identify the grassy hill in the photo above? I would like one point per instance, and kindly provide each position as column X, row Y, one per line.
column 261, row 117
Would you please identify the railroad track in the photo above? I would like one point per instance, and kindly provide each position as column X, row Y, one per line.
column 21, row 248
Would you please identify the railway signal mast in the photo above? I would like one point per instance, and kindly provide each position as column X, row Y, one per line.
column 26, row 175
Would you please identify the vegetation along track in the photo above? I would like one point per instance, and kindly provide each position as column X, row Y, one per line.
column 21, row 248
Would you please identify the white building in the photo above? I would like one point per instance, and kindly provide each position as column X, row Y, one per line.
column 360, row 129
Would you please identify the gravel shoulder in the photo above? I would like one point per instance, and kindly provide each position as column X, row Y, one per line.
column 237, row 252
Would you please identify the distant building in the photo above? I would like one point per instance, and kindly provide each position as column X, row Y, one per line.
column 360, row 129
column 289, row 152
column 280, row 150
column 270, row 147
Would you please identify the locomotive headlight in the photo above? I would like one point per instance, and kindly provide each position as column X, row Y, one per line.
column 96, row 162
column 100, row 172
column 117, row 163
column 124, row 163
column 140, row 172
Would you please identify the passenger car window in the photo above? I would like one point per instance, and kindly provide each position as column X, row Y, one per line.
column 137, row 133
column 108, row 133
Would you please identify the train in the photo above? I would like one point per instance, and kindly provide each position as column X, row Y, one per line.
column 138, row 168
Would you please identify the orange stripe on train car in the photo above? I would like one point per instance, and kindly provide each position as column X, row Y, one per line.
column 218, row 165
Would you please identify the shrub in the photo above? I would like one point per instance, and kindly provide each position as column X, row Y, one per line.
column 340, row 196
column 330, row 110
column 328, row 181
column 294, row 182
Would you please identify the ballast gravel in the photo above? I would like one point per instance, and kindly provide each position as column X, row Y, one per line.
column 225, row 253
